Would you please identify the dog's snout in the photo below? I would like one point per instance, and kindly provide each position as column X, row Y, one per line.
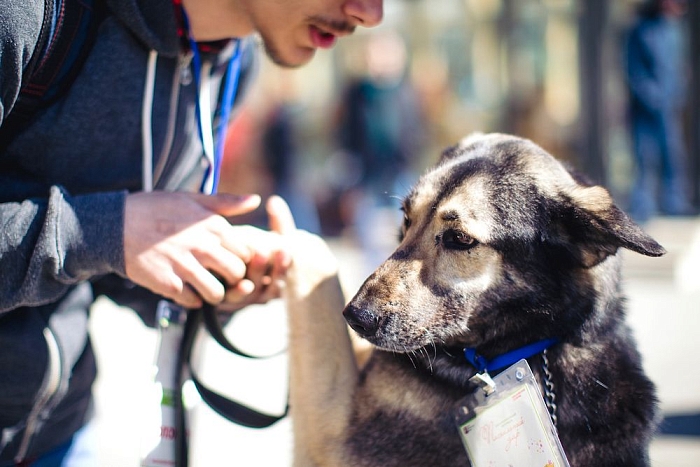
column 362, row 321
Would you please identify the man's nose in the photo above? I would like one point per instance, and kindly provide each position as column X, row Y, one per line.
column 367, row 13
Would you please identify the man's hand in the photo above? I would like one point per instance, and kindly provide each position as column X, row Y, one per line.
column 267, row 271
column 181, row 246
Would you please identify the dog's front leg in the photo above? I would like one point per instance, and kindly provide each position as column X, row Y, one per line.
column 323, row 370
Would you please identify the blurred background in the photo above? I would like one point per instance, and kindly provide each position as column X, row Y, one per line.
column 554, row 71
column 343, row 138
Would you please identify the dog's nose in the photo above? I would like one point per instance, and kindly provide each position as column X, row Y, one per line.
column 363, row 322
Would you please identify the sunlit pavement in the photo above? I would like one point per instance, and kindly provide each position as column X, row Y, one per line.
column 664, row 312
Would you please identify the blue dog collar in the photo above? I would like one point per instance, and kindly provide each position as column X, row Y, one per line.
column 502, row 361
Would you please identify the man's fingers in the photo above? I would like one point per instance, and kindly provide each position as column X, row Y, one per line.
column 174, row 288
column 239, row 292
column 280, row 264
column 226, row 266
column 280, row 216
column 258, row 269
column 202, row 281
column 188, row 298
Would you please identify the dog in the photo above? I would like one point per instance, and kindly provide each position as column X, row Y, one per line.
column 501, row 247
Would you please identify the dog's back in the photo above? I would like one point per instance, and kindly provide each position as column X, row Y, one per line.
column 501, row 248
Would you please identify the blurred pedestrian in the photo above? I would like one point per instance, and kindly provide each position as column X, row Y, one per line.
column 656, row 77
column 283, row 161
column 381, row 129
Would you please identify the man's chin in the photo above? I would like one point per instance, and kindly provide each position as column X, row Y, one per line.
column 290, row 60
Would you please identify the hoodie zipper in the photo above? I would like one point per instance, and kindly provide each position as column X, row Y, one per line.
column 49, row 388
column 182, row 76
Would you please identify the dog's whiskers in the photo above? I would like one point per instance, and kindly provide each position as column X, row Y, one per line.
column 408, row 353
column 422, row 351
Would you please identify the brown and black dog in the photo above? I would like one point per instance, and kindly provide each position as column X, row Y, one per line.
column 501, row 246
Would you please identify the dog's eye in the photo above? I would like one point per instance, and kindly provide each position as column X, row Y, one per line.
column 406, row 222
column 457, row 240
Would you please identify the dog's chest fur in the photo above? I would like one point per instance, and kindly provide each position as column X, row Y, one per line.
column 404, row 416
column 405, row 407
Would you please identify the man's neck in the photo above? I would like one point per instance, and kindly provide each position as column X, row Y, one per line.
column 212, row 20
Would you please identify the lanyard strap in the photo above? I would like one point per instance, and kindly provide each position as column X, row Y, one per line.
column 213, row 147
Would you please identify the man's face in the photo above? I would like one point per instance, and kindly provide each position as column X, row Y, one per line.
column 292, row 30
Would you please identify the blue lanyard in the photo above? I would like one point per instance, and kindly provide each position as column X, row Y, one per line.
column 233, row 72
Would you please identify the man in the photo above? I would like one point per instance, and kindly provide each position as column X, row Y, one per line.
column 656, row 81
column 98, row 188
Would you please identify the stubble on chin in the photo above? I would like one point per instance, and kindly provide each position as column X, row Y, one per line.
column 277, row 58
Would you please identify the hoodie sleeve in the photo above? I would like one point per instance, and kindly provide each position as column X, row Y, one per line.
column 20, row 28
column 51, row 243
column 46, row 246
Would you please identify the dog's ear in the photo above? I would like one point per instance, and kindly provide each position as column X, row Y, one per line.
column 599, row 227
column 451, row 153
column 459, row 148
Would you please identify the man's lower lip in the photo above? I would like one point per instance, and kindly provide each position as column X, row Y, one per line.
column 322, row 40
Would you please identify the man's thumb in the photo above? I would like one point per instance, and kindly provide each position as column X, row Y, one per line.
column 280, row 216
column 226, row 204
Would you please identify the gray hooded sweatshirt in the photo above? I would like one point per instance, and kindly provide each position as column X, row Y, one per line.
column 63, row 184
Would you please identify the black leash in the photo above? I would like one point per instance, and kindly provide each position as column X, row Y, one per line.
column 231, row 410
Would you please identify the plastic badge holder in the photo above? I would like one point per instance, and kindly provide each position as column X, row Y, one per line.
column 506, row 422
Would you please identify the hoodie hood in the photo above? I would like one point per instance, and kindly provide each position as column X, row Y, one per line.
column 151, row 21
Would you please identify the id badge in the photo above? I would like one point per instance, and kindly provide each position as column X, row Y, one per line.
column 507, row 423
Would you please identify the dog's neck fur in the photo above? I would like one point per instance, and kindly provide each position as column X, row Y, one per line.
column 442, row 364
column 450, row 366
column 447, row 365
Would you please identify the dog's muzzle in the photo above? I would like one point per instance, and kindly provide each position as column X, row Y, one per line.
column 362, row 321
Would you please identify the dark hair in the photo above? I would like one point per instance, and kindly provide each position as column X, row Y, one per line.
column 653, row 8
column 650, row 8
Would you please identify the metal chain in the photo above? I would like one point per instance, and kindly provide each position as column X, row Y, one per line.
column 550, row 397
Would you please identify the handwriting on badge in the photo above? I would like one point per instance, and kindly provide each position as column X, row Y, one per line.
column 507, row 429
column 509, row 433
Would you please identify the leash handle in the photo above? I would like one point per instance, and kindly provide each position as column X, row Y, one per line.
column 231, row 410
column 216, row 330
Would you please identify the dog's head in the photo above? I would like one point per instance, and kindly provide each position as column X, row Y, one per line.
column 499, row 243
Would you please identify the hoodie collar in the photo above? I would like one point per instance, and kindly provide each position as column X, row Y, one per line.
column 152, row 22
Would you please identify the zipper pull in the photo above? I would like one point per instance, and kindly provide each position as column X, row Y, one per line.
column 185, row 69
